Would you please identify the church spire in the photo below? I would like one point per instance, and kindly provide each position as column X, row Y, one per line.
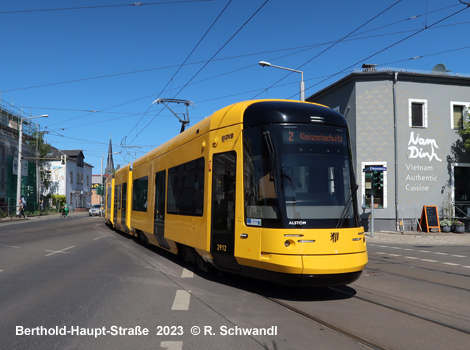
column 110, row 164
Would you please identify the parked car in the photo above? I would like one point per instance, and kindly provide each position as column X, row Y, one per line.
column 95, row 210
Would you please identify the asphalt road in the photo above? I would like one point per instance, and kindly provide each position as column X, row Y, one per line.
column 72, row 283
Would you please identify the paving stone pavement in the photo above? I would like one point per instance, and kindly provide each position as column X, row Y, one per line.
column 421, row 238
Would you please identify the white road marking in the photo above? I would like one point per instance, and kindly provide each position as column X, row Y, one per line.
column 181, row 301
column 9, row 246
column 172, row 345
column 99, row 237
column 187, row 274
column 58, row 251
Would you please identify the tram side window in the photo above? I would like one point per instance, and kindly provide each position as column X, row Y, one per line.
column 117, row 198
column 124, row 200
column 108, row 201
column 139, row 194
column 186, row 188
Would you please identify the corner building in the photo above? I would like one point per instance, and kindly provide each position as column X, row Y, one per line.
column 408, row 122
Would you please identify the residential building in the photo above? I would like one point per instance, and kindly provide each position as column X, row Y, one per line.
column 70, row 176
column 408, row 122
column 9, row 131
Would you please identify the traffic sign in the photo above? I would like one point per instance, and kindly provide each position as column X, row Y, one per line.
column 374, row 168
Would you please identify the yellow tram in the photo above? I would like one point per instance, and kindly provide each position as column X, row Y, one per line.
column 261, row 188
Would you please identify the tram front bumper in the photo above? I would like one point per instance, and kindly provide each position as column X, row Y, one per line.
column 315, row 264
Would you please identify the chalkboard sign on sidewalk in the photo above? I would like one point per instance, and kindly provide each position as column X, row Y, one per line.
column 429, row 218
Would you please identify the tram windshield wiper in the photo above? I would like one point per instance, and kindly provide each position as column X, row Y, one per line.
column 351, row 197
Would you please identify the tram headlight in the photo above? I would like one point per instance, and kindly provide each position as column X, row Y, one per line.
column 287, row 243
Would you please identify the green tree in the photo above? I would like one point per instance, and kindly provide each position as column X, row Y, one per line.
column 58, row 200
column 43, row 150
column 465, row 134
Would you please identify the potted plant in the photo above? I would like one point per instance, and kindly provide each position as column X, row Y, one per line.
column 459, row 226
column 446, row 225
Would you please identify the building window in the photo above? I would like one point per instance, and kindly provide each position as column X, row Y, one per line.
column 418, row 113
column 71, row 177
column 459, row 114
column 380, row 186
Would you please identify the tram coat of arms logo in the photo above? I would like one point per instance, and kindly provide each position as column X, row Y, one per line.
column 334, row 236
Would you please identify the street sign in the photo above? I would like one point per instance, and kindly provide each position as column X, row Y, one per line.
column 374, row 168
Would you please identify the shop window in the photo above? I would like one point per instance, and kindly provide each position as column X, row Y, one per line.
column 461, row 178
column 418, row 113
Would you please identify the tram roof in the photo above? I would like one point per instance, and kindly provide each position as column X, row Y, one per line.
column 232, row 115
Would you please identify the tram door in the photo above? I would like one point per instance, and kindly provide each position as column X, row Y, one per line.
column 223, row 210
column 159, row 212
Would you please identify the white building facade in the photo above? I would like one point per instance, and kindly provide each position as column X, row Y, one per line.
column 70, row 176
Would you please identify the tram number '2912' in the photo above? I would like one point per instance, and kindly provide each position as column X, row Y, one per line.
column 222, row 247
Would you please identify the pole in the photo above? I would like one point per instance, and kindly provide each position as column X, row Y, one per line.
column 302, row 88
column 20, row 151
column 101, row 181
column 395, row 145
column 372, row 207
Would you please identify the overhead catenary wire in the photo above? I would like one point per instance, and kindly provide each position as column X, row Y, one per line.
column 302, row 48
column 205, row 65
column 388, row 47
column 334, row 44
column 194, row 81
column 134, row 4
column 179, row 68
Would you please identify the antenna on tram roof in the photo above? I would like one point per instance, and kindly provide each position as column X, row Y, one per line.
column 185, row 120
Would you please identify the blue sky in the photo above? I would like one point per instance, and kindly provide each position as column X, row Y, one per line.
column 96, row 67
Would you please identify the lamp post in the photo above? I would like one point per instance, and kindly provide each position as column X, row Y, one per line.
column 302, row 84
column 20, row 151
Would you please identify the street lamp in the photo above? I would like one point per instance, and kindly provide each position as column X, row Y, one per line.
column 20, row 151
column 302, row 85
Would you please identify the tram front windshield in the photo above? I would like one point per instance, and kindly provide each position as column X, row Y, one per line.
column 298, row 176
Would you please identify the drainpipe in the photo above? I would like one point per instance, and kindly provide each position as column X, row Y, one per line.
column 395, row 137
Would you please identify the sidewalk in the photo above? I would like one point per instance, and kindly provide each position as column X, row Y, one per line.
column 54, row 215
column 419, row 238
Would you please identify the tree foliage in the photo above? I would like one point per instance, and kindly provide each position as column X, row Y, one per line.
column 43, row 149
column 58, row 200
column 465, row 134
